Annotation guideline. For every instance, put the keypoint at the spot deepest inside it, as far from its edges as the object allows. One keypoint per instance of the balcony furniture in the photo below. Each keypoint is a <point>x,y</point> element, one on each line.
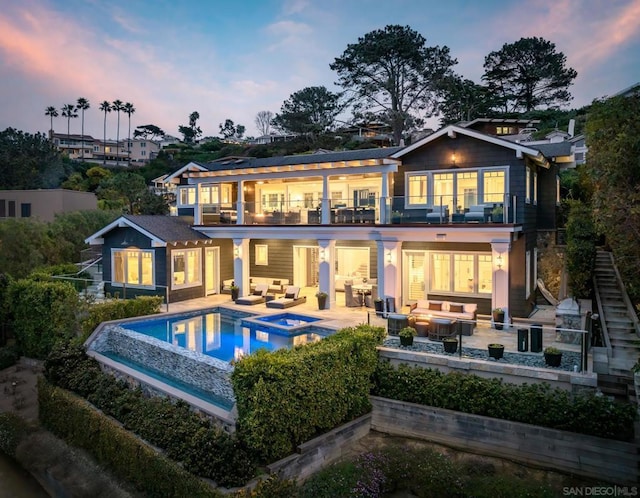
<point>441,327</point>
<point>275,285</point>
<point>465,312</point>
<point>373,295</point>
<point>345,215</point>
<point>292,218</point>
<point>439,214</point>
<point>458,218</point>
<point>257,297</point>
<point>314,217</point>
<point>290,298</point>
<point>228,216</point>
<point>226,286</point>
<point>478,213</point>
<point>351,300</point>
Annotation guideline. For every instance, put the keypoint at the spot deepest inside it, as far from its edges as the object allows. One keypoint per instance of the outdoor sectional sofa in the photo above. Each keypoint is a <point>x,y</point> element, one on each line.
<point>466,313</point>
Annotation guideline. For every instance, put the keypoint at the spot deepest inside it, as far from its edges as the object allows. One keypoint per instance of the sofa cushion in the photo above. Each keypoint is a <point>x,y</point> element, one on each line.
<point>435,306</point>
<point>456,307</point>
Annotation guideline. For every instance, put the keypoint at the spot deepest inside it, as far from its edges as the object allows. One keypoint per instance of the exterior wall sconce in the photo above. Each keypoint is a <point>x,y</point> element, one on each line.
<point>453,159</point>
<point>323,255</point>
<point>236,252</point>
<point>499,261</point>
<point>388,256</point>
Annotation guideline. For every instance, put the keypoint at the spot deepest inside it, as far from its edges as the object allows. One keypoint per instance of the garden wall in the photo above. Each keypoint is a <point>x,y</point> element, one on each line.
<point>611,461</point>
<point>509,373</point>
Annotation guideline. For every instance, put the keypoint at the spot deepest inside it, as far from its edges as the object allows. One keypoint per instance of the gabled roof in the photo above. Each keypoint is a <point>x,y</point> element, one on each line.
<point>452,130</point>
<point>469,124</point>
<point>554,149</point>
<point>192,166</point>
<point>160,229</point>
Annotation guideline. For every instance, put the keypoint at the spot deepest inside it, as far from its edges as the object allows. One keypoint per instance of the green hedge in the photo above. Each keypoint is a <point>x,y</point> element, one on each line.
<point>185,436</point>
<point>74,420</point>
<point>117,309</point>
<point>581,250</point>
<point>286,397</point>
<point>43,314</point>
<point>12,430</point>
<point>536,404</point>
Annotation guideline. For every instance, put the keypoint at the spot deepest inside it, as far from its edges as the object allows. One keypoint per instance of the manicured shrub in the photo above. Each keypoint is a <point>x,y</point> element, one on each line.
<point>43,313</point>
<point>286,397</point>
<point>12,430</point>
<point>117,309</point>
<point>79,280</point>
<point>581,250</point>
<point>536,404</point>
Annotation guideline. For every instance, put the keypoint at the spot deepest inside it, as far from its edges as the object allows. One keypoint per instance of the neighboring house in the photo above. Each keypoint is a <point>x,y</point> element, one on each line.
<point>270,138</point>
<point>142,150</point>
<point>109,152</point>
<point>502,126</point>
<point>72,145</point>
<point>44,204</point>
<point>455,216</point>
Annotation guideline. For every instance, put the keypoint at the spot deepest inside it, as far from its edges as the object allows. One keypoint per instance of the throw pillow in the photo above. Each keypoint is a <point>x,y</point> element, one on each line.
<point>456,308</point>
<point>435,306</point>
<point>257,293</point>
<point>276,282</point>
<point>289,296</point>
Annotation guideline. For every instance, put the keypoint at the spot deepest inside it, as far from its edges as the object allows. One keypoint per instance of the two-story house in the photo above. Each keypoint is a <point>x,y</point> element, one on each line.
<point>453,216</point>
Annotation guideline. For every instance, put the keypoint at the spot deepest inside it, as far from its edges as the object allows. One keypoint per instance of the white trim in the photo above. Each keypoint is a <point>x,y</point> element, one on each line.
<point>452,253</point>
<point>186,285</point>
<point>122,222</point>
<point>188,167</point>
<point>115,250</point>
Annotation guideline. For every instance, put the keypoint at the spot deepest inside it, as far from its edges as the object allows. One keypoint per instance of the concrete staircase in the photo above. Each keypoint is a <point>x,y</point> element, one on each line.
<point>619,326</point>
<point>96,289</point>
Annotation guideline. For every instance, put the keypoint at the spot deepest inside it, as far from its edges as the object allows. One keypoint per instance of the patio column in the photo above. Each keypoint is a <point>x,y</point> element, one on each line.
<point>384,197</point>
<point>241,265</point>
<point>326,206</point>
<point>500,260</point>
<point>326,270</point>
<point>197,210</point>
<point>389,276</point>
<point>240,204</point>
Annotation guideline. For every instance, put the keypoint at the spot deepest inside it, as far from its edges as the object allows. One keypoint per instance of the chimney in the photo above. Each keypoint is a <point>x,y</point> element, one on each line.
<point>572,127</point>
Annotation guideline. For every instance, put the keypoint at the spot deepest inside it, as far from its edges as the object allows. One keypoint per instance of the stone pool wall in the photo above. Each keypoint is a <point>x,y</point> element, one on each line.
<point>203,372</point>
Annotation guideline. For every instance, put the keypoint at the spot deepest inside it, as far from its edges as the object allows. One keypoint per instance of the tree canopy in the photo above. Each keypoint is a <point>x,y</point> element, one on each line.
<point>231,130</point>
<point>528,74</point>
<point>263,122</point>
<point>148,132</point>
<point>392,73</point>
<point>309,111</point>
<point>192,132</point>
<point>464,100</point>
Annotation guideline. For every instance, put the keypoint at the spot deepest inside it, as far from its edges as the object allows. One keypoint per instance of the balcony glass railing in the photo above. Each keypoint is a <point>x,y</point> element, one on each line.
<point>497,208</point>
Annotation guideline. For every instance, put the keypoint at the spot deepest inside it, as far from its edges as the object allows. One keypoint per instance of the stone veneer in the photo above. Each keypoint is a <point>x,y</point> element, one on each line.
<point>202,371</point>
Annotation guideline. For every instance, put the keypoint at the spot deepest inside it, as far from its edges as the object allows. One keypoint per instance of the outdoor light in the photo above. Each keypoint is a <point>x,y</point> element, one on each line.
<point>236,252</point>
<point>322,255</point>
<point>453,158</point>
<point>388,256</point>
<point>499,261</point>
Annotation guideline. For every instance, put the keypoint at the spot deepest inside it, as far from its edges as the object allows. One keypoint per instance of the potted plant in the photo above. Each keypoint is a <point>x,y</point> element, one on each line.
<point>235,291</point>
<point>450,344</point>
<point>378,303</point>
<point>496,350</point>
<point>497,214</point>
<point>322,299</point>
<point>406,336</point>
<point>498,318</point>
<point>552,356</point>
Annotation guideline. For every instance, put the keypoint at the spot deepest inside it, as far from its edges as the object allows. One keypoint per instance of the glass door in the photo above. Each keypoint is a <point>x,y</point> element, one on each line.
<point>414,277</point>
<point>211,268</point>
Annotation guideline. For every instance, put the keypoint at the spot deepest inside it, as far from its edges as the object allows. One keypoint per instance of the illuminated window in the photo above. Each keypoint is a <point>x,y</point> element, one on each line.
<point>527,187</point>
<point>187,196</point>
<point>441,272</point>
<point>535,188</point>
<point>494,186</point>
<point>467,189</point>
<point>461,273</point>
<point>417,189</point>
<point>132,267</point>
<point>185,268</point>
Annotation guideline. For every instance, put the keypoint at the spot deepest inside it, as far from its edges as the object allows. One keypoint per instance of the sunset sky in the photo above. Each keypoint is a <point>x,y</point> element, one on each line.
<point>230,60</point>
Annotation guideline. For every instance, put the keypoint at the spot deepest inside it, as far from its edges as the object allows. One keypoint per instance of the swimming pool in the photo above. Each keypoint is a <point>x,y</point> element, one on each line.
<point>289,323</point>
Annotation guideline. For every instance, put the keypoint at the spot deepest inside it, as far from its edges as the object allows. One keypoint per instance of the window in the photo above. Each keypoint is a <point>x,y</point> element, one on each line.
<point>417,191</point>
<point>3,208</point>
<point>262,254</point>
<point>12,209</point>
<point>493,186</point>
<point>308,200</point>
<point>535,188</point>
<point>461,273</point>
<point>185,268</point>
<point>352,261</point>
<point>25,210</point>
<point>143,144</point>
<point>143,152</point>
<point>527,275</point>
<point>187,196</point>
<point>527,192</point>
<point>557,191</point>
<point>467,189</point>
<point>504,130</point>
<point>132,267</point>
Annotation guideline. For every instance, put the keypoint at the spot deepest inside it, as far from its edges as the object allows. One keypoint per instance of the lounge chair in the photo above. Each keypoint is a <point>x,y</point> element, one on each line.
<point>290,299</point>
<point>257,297</point>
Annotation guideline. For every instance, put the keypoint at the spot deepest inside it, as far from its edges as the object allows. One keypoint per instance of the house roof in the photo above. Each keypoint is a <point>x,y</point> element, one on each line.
<point>160,229</point>
<point>469,124</point>
<point>554,149</point>
<point>452,131</point>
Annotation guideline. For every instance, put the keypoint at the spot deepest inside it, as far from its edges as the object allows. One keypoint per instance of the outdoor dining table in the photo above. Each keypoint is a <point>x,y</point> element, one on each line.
<point>363,289</point>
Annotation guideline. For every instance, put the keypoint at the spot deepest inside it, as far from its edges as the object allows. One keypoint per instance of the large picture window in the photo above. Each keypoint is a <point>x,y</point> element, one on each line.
<point>132,267</point>
<point>493,186</point>
<point>187,196</point>
<point>185,268</point>
<point>460,273</point>
<point>417,190</point>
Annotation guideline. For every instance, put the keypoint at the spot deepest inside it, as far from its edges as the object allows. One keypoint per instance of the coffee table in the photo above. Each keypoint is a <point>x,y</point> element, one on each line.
<point>441,327</point>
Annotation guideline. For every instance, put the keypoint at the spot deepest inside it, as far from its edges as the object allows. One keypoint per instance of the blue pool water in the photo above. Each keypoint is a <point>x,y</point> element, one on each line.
<point>286,319</point>
<point>222,336</point>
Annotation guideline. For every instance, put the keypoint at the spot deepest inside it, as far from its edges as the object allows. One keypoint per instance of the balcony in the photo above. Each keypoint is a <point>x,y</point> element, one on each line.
<point>500,209</point>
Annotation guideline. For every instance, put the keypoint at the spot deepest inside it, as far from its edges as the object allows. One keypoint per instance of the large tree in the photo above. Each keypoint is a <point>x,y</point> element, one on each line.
<point>231,130</point>
<point>529,74</point>
<point>52,112</point>
<point>392,73</point>
<point>69,112</point>
<point>82,105</point>
<point>105,107</point>
<point>463,100</point>
<point>192,132</point>
<point>148,132</point>
<point>129,110</point>
<point>309,111</point>
<point>117,106</point>
<point>263,122</point>
<point>612,131</point>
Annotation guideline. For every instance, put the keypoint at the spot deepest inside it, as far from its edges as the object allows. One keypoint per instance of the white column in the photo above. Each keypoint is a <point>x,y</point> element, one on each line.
<point>240,203</point>
<point>197,210</point>
<point>391,269</point>
<point>384,198</point>
<point>241,265</point>
<point>500,259</point>
<point>326,201</point>
<point>327,272</point>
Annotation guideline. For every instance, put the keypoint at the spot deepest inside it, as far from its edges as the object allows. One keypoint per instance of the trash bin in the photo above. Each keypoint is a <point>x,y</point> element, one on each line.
<point>523,340</point>
<point>536,338</point>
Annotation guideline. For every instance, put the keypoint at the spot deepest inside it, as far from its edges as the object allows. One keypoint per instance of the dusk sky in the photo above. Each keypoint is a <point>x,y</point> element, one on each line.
<point>230,60</point>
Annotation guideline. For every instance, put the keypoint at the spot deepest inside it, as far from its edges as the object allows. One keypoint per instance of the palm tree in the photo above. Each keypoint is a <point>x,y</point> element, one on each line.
<point>83,105</point>
<point>129,109</point>
<point>52,112</point>
<point>118,106</point>
<point>105,107</point>
<point>69,111</point>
